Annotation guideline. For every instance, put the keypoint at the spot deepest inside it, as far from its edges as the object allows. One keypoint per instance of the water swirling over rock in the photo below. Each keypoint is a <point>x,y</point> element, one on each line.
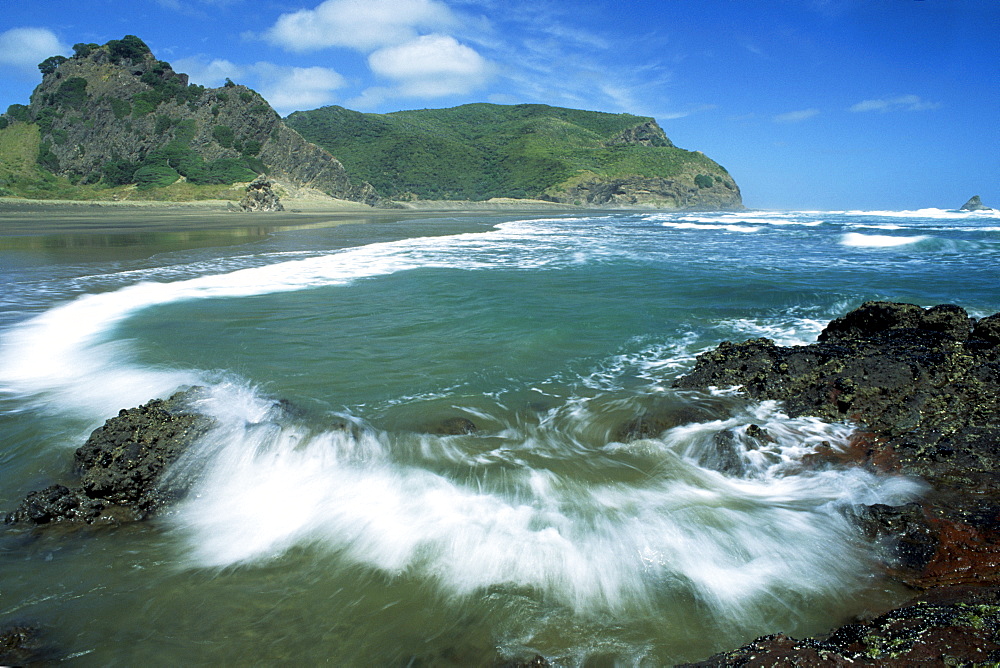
<point>121,467</point>
<point>924,387</point>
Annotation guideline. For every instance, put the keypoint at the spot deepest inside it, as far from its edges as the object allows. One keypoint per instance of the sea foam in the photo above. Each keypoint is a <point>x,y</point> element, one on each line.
<point>857,240</point>
<point>596,526</point>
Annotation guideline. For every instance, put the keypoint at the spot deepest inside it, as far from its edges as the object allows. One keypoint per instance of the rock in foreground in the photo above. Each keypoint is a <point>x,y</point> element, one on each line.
<point>962,628</point>
<point>923,385</point>
<point>121,467</point>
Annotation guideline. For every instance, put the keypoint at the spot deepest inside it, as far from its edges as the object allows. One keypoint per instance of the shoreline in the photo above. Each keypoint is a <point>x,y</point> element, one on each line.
<point>27,217</point>
<point>21,217</point>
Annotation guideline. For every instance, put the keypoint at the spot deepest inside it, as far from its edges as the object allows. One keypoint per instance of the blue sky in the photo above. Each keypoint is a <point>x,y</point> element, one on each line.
<point>810,104</point>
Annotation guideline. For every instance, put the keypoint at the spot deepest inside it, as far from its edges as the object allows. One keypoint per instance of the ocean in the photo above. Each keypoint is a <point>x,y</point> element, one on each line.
<point>332,519</point>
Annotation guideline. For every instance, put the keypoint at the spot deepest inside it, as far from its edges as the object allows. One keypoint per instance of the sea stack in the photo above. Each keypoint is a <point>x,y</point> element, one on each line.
<point>975,204</point>
<point>260,196</point>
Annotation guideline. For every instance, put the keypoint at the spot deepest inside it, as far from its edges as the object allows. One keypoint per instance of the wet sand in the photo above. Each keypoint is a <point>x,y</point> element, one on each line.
<point>25,218</point>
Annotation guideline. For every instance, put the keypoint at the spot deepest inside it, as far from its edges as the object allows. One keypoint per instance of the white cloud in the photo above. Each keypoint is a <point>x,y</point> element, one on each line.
<point>901,103</point>
<point>290,89</point>
<point>674,115</point>
<point>24,48</point>
<point>796,116</point>
<point>371,98</point>
<point>212,74</point>
<point>432,66</point>
<point>286,88</point>
<point>359,24</point>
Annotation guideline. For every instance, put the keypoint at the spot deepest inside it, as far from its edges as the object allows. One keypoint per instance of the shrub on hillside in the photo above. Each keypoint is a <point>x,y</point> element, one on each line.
<point>18,112</point>
<point>128,47</point>
<point>82,50</point>
<point>71,93</point>
<point>49,65</point>
<point>155,176</point>
<point>224,135</point>
<point>118,172</point>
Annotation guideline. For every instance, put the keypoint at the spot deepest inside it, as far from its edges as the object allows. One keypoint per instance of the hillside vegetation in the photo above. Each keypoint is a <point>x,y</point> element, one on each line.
<point>114,121</point>
<point>481,151</point>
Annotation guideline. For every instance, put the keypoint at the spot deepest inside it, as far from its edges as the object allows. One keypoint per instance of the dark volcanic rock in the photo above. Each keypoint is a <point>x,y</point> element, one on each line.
<point>22,646</point>
<point>923,385</point>
<point>975,204</point>
<point>957,627</point>
<point>456,426</point>
<point>121,467</point>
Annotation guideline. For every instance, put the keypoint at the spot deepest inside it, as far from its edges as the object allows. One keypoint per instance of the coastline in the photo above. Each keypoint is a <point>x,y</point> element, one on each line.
<point>27,217</point>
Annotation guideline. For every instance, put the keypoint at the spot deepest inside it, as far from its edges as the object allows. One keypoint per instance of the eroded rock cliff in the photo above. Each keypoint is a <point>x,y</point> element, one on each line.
<point>115,113</point>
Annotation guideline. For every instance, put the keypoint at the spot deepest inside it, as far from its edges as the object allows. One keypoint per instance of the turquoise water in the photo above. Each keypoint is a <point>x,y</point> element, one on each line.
<point>350,530</point>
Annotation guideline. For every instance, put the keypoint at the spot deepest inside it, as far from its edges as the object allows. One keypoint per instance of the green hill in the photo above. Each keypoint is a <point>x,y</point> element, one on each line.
<point>112,121</point>
<point>481,151</point>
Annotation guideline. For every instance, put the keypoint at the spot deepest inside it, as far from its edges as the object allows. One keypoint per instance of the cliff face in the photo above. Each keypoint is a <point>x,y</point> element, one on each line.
<point>645,134</point>
<point>697,183</point>
<point>680,192</point>
<point>116,113</point>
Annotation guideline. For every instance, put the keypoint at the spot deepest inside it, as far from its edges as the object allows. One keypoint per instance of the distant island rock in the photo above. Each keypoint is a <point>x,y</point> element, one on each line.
<point>479,152</point>
<point>975,204</point>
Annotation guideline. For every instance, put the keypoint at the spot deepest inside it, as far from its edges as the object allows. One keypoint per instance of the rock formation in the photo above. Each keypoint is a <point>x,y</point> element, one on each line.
<point>635,191</point>
<point>975,204</point>
<point>923,386</point>
<point>260,196</point>
<point>121,467</point>
<point>115,114</point>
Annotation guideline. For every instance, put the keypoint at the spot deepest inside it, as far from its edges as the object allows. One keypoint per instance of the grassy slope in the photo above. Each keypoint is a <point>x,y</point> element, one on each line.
<point>479,151</point>
<point>21,176</point>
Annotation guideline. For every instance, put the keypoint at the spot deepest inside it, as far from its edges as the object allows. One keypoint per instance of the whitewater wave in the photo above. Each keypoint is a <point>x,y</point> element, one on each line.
<point>70,353</point>
<point>857,240</point>
<point>784,331</point>
<point>596,525</point>
<point>682,225</point>
<point>938,214</point>
<point>553,500</point>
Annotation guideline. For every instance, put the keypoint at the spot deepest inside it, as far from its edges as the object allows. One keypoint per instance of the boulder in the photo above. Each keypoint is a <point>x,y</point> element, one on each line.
<point>121,467</point>
<point>260,196</point>
<point>975,204</point>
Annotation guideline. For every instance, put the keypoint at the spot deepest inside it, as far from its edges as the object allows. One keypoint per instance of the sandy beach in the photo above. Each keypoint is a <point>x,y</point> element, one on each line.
<point>25,217</point>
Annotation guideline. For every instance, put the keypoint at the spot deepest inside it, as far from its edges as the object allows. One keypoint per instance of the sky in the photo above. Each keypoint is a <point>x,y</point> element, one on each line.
<point>810,104</point>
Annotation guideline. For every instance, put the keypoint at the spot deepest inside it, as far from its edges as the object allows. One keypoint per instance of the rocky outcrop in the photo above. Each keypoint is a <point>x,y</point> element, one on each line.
<point>975,204</point>
<point>114,113</point>
<point>923,386</point>
<point>260,197</point>
<point>708,193</point>
<point>957,628</point>
<point>645,134</point>
<point>121,467</point>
